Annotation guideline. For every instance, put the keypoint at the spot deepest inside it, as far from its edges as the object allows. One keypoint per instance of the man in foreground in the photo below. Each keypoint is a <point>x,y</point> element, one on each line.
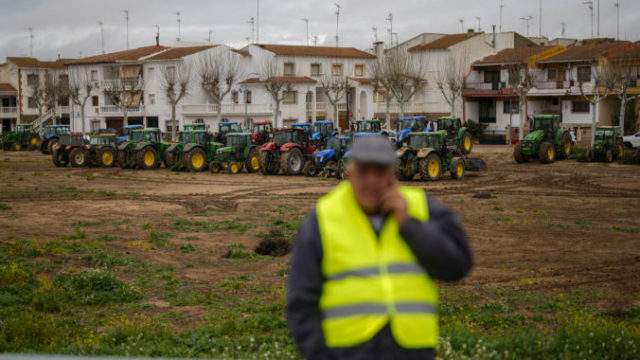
<point>363,270</point>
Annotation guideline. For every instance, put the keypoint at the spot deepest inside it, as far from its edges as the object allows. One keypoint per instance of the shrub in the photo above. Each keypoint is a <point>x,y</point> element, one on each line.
<point>97,287</point>
<point>5,207</point>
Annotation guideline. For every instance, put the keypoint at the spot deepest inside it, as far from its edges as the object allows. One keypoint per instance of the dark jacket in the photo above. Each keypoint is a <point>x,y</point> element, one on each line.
<point>439,244</point>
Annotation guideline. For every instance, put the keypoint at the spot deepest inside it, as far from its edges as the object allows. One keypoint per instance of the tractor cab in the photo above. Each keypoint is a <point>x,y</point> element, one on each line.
<point>195,136</point>
<point>103,139</point>
<point>420,140</point>
<point>415,124</point>
<point>146,135</point>
<point>261,132</point>
<point>291,135</point>
<point>72,139</point>
<point>56,130</point>
<point>238,141</point>
<point>228,127</point>
<point>126,132</point>
<point>195,126</point>
<point>549,124</point>
<point>22,128</point>
<point>368,126</point>
<point>339,143</point>
<point>323,130</point>
<point>450,124</point>
<point>307,127</point>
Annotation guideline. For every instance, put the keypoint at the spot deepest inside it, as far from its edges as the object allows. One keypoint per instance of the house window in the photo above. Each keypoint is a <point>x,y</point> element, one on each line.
<point>63,101</point>
<point>247,97</point>
<point>63,80</point>
<point>316,70</point>
<point>290,97</point>
<point>580,107</point>
<point>152,122</point>
<point>378,96</point>
<point>515,107</point>
<point>95,125</point>
<point>359,70</point>
<point>337,70</point>
<point>289,69</point>
<point>94,75</point>
<point>492,77</point>
<point>33,80</point>
<point>31,103</point>
<point>584,74</point>
<point>95,101</point>
<point>168,125</point>
<point>150,72</point>
<point>234,97</point>
<point>152,99</point>
<point>555,75</point>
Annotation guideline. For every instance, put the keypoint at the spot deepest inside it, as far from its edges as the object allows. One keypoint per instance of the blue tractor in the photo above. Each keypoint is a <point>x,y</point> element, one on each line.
<point>328,162</point>
<point>51,136</point>
<point>224,128</point>
<point>408,125</point>
<point>126,131</point>
<point>322,131</point>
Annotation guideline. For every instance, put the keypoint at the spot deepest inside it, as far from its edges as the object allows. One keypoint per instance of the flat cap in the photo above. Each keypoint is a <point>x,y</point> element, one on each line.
<point>372,150</point>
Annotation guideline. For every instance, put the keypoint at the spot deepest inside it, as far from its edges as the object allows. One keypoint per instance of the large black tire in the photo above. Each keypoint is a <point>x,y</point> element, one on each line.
<point>60,158</point>
<point>52,145</point>
<point>107,157</point>
<point>44,147</point>
<point>292,162</point>
<point>340,170</point>
<point>310,168</point>
<point>168,159</point>
<point>457,168</point>
<point>608,156</point>
<point>252,163</point>
<point>266,163</point>
<point>147,158</point>
<point>121,159</point>
<point>400,174</point>
<point>466,143</point>
<point>430,167</point>
<point>566,146</point>
<point>34,142</point>
<point>547,153</point>
<point>619,150</point>
<point>196,160</point>
<point>518,156</point>
<point>78,157</point>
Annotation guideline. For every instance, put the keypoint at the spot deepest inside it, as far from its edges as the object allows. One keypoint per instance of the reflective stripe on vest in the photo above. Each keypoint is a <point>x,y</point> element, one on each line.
<point>373,280</point>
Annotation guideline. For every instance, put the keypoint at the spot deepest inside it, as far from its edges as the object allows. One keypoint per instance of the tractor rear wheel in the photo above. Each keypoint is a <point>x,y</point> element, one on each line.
<point>430,167</point>
<point>401,171</point>
<point>52,146</point>
<point>547,153</point>
<point>292,162</point>
<point>466,143</point>
<point>608,156</point>
<point>266,163</point>
<point>147,158</point>
<point>310,169</point>
<point>60,159</point>
<point>214,167</point>
<point>169,157</point>
<point>235,167</point>
<point>78,157</point>
<point>16,146</point>
<point>122,158</point>
<point>340,170</point>
<point>252,163</point>
<point>518,155</point>
<point>34,142</point>
<point>333,169</point>
<point>196,160</point>
<point>107,157</point>
<point>566,145</point>
<point>457,169</point>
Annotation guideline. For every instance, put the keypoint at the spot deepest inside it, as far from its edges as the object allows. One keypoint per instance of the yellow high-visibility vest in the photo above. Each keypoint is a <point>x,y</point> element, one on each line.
<point>373,281</point>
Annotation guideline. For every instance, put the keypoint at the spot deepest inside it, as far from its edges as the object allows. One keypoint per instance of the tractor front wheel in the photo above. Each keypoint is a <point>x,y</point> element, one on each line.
<point>457,169</point>
<point>253,161</point>
<point>466,143</point>
<point>310,169</point>
<point>16,146</point>
<point>147,158</point>
<point>235,167</point>
<point>402,171</point>
<point>60,159</point>
<point>292,162</point>
<point>168,160</point>
<point>107,157</point>
<point>196,160</point>
<point>52,146</point>
<point>566,145</point>
<point>518,155</point>
<point>78,157</point>
<point>547,153</point>
<point>214,167</point>
<point>430,167</point>
<point>34,142</point>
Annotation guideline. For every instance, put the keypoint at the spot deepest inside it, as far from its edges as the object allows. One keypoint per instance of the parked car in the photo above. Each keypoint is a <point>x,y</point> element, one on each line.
<point>632,141</point>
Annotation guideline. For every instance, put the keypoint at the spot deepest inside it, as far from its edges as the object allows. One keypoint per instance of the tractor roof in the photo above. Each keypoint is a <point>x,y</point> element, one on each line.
<point>57,126</point>
<point>324,122</point>
<point>103,135</point>
<point>430,133</point>
<point>366,134</point>
<point>608,127</point>
<point>227,123</point>
<point>133,127</point>
<point>300,124</point>
<point>148,130</point>
<point>547,116</point>
<point>262,122</point>
<point>449,118</point>
<point>373,120</point>
<point>344,138</point>
<point>413,118</point>
<point>239,134</point>
<point>191,131</point>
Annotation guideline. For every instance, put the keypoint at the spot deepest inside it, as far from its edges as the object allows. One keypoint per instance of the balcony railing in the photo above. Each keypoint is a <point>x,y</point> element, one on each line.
<point>65,109</point>
<point>394,108</point>
<point>114,109</point>
<point>486,85</point>
<point>211,109</point>
<point>553,84</point>
<point>8,110</point>
<point>325,106</point>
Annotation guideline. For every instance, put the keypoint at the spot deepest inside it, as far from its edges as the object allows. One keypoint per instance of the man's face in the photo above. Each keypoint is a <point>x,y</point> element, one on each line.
<point>370,182</point>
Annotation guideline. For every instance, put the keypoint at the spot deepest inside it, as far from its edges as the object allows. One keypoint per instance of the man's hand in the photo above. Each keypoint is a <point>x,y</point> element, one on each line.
<point>394,203</point>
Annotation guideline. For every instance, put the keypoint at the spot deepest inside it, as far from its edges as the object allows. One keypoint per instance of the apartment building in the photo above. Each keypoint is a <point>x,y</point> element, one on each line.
<point>19,78</point>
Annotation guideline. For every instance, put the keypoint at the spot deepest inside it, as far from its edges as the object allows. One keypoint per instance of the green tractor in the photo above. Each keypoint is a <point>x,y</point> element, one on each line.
<point>193,152</point>
<point>456,133</point>
<point>195,126</point>
<point>427,154</point>
<point>608,145</point>
<point>547,141</point>
<point>21,138</point>
<point>239,152</point>
<point>102,150</point>
<point>142,149</point>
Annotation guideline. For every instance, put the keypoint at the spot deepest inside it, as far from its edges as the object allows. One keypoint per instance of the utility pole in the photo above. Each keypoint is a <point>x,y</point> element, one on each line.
<point>257,21</point>
<point>502,6</point>
<point>527,19</point>
<point>315,40</point>
<point>337,23</point>
<point>179,26</point>
<point>540,20</point>
<point>101,34</point>
<point>210,36</point>
<point>252,21</point>
<point>306,20</point>
<point>30,42</point>
<point>598,18</point>
<point>461,20</point>
<point>479,28</point>
<point>590,6</point>
<point>126,19</point>
<point>375,33</point>
<point>617,5</point>
<point>390,20</point>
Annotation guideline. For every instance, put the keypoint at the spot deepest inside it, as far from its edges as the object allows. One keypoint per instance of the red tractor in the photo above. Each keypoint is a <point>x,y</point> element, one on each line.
<point>289,150</point>
<point>261,133</point>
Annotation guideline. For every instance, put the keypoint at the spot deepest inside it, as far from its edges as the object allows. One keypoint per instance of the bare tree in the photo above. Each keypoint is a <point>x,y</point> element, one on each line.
<point>38,93</point>
<point>450,79</point>
<point>218,72</point>
<point>125,92</point>
<point>406,76</point>
<point>381,85</point>
<point>335,88</point>
<point>174,83</point>
<point>79,91</point>
<point>276,85</point>
<point>56,87</point>
<point>521,80</point>
<point>603,79</point>
<point>624,75</point>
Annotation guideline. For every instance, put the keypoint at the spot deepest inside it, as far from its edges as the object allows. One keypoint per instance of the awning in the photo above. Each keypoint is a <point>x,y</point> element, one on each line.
<point>130,71</point>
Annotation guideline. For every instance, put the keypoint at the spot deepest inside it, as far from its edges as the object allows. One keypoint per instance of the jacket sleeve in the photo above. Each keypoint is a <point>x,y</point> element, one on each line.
<point>440,244</point>
<point>305,287</point>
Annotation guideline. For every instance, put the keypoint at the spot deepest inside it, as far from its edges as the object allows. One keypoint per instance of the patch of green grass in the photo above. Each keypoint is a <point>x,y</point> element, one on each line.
<point>503,219</point>
<point>169,215</point>
<point>285,225</point>
<point>236,251</point>
<point>497,208</point>
<point>540,212</point>
<point>583,224</point>
<point>206,226</point>
<point>105,238</point>
<point>191,238</point>
<point>147,226</point>
<point>107,193</point>
<point>97,287</point>
<point>77,235</point>
<point>78,224</point>
<point>120,222</point>
<point>90,176</point>
<point>159,238</point>
<point>625,229</point>
<point>4,207</point>
<point>187,248</point>
<point>553,225</point>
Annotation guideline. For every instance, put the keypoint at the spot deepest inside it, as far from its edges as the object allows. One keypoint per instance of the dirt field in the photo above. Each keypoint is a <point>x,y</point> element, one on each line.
<point>535,229</point>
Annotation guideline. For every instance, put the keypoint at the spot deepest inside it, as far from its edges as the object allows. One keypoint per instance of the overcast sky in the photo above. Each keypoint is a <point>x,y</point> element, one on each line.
<point>70,27</point>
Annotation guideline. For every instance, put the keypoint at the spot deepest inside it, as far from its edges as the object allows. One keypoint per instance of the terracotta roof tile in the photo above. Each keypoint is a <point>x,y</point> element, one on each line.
<point>291,79</point>
<point>445,42</point>
<point>29,62</point>
<point>515,55</point>
<point>179,52</point>
<point>125,55</point>
<point>241,52</point>
<point>631,53</point>
<point>7,87</point>
<point>585,52</point>
<point>317,51</point>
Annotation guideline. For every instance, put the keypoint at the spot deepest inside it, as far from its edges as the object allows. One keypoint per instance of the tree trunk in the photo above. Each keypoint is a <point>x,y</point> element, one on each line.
<point>173,122</point>
<point>40,117</point>
<point>82,118</point>
<point>125,116</point>
<point>453,106</point>
<point>388,114</point>
<point>275,114</point>
<point>336,116</point>
<point>219,112</point>
<point>401,110</point>
<point>521,121</point>
<point>623,108</point>
<point>595,102</point>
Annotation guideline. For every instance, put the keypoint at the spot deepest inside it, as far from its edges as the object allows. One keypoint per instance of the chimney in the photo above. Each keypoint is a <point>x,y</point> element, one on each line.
<point>158,39</point>
<point>378,48</point>
<point>471,31</point>
<point>493,41</point>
